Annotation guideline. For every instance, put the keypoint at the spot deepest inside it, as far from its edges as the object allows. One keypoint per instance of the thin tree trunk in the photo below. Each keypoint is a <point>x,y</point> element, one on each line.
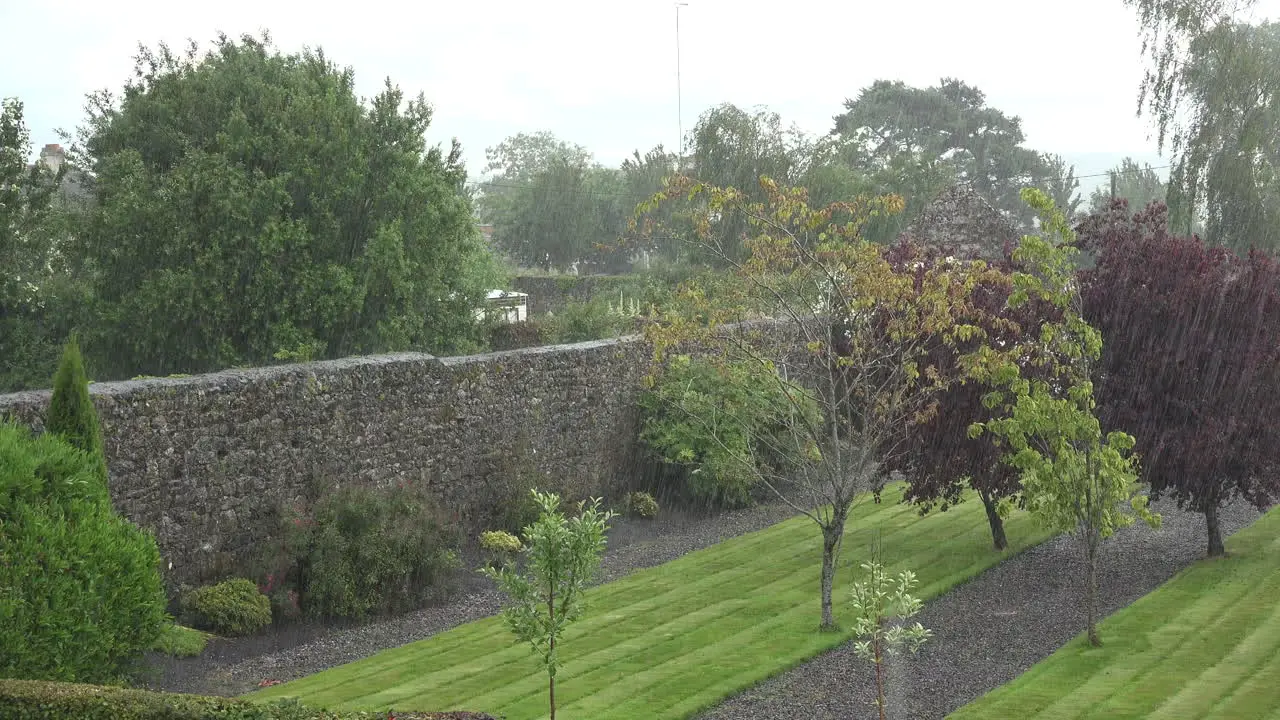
<point>1216,548</point>
<point>551,672</point>
<point>830,542</point>
<point>998,537</point>
<point>1091,587</point>
<point>879,675</point>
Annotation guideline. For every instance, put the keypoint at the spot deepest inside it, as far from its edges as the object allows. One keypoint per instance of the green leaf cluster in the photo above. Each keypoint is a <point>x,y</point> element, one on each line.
<point>715,419</point>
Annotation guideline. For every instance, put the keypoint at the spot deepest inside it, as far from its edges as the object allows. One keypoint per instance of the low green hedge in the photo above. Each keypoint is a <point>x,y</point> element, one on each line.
<point>40,700</point>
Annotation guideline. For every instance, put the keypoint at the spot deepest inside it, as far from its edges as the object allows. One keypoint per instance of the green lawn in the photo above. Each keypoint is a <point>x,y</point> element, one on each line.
<point>1204,645</point>
<point>671,640</point>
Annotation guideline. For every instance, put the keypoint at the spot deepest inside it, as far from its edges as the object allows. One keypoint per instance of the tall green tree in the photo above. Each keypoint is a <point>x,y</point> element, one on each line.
<point>1138,184</point>
<point>38,298</point>
<point>251,207</point>
<point>71,413</point>
<point>929,138</point>
<point>734,147</point>
<point>1211,91</point>
<point>1228,153</point>
<point>553,206</point>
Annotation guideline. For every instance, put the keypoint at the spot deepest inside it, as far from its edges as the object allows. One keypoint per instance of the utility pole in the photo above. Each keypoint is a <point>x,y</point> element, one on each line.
<point>1113,184</point>
<point>679,94</point>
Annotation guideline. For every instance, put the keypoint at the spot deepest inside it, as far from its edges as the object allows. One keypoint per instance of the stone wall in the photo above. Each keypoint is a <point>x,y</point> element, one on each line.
<point>204,461</point>
<point>961,220</point>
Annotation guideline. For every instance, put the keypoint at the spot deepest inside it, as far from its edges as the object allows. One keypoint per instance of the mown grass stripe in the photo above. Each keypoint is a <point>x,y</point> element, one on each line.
<point>1204,644</point>
<point>681,635</point>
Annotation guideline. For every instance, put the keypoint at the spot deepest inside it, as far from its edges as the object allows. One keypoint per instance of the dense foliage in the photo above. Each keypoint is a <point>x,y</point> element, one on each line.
<point>942,461</point>
<point>716,421</point>
<point>71,413</point>
<point>37,296</point>
<point>1192,359</point>
<point>28,700</point>
<point>358,552</point>
<point>250,207</point>
<point>230,608</point>
<point>82,591</point>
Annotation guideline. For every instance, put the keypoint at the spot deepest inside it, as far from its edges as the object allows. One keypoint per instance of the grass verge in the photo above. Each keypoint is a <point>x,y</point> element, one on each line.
<point>1206,644</point>
<point>672,640</point>
<point>181,641</point>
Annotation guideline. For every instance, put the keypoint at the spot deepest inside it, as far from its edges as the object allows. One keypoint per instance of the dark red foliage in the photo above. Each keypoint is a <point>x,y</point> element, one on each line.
<point>942,460</point>
<point>1191,358</point>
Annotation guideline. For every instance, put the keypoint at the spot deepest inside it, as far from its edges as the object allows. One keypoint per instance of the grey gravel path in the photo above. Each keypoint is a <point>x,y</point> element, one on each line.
<point>233,667</point>
<point>988,630</point>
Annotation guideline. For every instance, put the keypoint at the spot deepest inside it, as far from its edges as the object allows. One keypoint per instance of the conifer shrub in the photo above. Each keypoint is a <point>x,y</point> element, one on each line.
<point>80,591</point>
<point>71,413</point>
<point>231,608</point>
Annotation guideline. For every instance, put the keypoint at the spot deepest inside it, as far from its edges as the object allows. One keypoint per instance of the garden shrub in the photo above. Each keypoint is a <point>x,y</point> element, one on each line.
<point>641,505</point>
<point>580,321</point>
<point>745,404</point>
<point>32,700</point>
<point>80,591</point>
<point>359,552</point>
<point>231,608</point>
<point>71,413</point>
<point>499,546</point>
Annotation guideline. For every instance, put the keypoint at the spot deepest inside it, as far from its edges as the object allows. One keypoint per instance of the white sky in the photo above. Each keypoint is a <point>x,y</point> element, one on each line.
<point>602,73</point>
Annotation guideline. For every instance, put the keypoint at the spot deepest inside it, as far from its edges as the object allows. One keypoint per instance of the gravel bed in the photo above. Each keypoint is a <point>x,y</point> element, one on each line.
<point>233,667</point>
<point>988,630</point>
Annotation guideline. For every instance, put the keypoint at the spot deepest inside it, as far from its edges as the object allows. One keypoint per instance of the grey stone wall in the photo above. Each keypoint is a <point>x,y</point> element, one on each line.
<point>961,219</point>
<point>204,461</point>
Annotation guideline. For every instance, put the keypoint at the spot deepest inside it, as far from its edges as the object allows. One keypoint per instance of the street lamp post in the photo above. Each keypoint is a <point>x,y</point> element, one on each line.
<point>679,94</point>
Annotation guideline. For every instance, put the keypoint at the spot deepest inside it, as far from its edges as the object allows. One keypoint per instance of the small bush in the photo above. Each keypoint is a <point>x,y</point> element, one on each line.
<point>80,590</point>
<point>500,542</point>
<point>641,505</point>
<point>231,608</point>
<point>499,547</point>
<point>29,700</point>
<point>579,321</point>
<point>361,552</point>
<point>745,404</point>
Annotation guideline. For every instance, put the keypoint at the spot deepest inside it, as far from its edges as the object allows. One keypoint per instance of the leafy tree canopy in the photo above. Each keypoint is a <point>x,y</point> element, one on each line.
<point>1192,359</point>
<point>250,207</point>
<point>924,139</point>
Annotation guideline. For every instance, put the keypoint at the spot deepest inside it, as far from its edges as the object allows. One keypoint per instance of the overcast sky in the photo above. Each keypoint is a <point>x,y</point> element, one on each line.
<point>602,73</point>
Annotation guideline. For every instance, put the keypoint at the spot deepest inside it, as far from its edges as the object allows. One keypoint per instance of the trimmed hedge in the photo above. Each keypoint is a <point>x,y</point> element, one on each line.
<point>40,700</point>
